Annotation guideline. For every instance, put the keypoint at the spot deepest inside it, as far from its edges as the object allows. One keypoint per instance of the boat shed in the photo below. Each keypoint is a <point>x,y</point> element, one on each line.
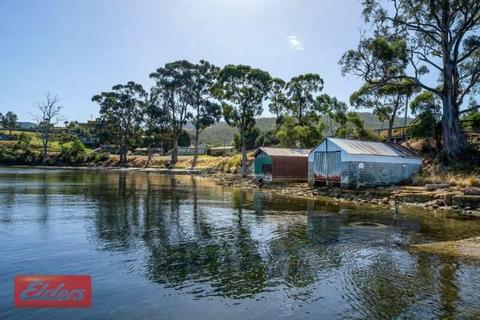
<point>281,164</point>
<point>357,163</point>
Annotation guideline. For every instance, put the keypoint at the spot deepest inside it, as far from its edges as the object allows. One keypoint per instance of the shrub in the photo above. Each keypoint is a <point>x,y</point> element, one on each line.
<point>73,152</point>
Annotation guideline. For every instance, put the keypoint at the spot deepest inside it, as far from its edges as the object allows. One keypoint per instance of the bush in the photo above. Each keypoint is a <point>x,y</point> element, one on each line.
<point>97,157</point>
<point>73,152</point>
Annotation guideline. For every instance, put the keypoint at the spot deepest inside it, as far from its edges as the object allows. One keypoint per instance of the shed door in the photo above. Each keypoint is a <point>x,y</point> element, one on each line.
<point>327,166</point>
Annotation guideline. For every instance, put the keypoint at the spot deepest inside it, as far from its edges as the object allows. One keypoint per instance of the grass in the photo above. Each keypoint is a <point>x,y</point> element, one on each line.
<point>54,145</point>
<point>229,164</point>
<point>459,180</point>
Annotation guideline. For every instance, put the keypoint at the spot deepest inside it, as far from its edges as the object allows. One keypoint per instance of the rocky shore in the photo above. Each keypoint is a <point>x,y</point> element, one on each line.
<point>433,197</point>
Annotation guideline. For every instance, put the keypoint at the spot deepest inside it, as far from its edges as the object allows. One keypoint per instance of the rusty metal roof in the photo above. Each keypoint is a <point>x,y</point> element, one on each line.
<point>374,148</point>
<point>284,152</point>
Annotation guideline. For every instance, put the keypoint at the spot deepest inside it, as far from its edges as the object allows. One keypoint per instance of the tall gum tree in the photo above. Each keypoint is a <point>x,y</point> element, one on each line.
<point>440,37</point>
<point>242,90</point>
<point>121,114</point>
<point>171,91</point>
<point>302,92</point>
<point>385,101</point>
<point>206,110</point>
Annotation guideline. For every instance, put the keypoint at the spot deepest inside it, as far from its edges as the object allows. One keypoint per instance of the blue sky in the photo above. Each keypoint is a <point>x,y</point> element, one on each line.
<point>76,49</point>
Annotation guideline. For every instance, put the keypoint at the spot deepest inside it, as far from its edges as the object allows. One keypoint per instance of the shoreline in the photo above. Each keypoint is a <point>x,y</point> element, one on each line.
<point>462,202</point>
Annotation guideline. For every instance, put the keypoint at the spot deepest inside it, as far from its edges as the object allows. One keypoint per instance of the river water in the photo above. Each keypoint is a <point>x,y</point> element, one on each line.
<point>160,247</point>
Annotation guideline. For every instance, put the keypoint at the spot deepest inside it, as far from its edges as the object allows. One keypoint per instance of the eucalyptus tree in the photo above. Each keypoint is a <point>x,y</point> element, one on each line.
<point>429,36</point>
<point>47,115</point>
<point>427,108</point>
<point>9,121</point>
<point>333,111</point>
<point>277,100</point>
<point>121,114</point>
<point>206,110</point>
<point>171,91</point>
<point>386,101</point>
<point>302,92</point>
<point>156,125</point>
<point>242,90</point>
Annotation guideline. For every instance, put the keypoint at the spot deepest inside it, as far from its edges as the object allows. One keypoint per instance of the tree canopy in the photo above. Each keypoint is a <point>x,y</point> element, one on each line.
<point>412,38</point>
<point>121,114</point>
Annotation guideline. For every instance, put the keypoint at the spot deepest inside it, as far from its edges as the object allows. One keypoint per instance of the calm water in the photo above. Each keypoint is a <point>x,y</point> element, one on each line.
<point>181,248</point>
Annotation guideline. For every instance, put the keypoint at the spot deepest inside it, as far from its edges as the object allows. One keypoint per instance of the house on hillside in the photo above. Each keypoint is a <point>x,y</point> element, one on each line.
<point>188,151</point>
<point>221,151</point>
<point>281,164</point>
<point>355,163</point>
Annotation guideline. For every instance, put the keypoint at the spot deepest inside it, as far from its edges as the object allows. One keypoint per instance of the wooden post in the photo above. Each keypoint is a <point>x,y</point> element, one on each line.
<point>326,162</point>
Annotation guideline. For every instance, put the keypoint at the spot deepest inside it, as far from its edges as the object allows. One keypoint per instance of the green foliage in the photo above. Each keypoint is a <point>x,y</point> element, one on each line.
<point>23,143</point>
<point>411,38</point>
<point>121,114</point>
<point>302,92</point>
<point>354,128</point>
<point>199,90</point>
<point>184,139</point>
<point>72,152</point>
<point>473,119</point>
<point>251,137</point>
<point>292,135</point>
<point>22,152</point>
<point>8,121</point>
<point>426,101</point>
<point>425,126</point>
<point>242,90</point>
<point>278,101</point>
<point>267,138</point>
<point>333,112</point>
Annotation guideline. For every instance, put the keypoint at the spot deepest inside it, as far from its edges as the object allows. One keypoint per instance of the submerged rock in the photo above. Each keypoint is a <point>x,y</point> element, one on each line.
<point>464,248</point>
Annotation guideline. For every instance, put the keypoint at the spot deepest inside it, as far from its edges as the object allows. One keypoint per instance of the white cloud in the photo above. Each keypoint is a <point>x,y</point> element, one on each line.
<point>295,43</point>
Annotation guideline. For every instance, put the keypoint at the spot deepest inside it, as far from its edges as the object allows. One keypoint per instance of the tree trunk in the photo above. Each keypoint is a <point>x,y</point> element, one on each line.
<point>391,121</point>
<point>244,154</point>
<point>195,153</point>
<point>453,138</point>
<point>45,147</point>
<point>149,155</point>
<point>123,149</point>
<point>174,159</point>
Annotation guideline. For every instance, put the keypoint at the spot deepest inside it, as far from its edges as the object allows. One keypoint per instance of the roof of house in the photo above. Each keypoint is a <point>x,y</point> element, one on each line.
<point>374,148</point>
<point>222,148</point>
<point>284,152</point>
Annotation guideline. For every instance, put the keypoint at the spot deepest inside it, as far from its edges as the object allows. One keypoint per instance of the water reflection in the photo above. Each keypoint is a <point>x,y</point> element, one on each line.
<point>205,241</point>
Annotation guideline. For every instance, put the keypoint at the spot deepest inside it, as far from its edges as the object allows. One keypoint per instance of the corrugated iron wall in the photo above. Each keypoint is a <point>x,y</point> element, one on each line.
<point>284,167</point>
<point>261,160</point>
<point>327,166</point>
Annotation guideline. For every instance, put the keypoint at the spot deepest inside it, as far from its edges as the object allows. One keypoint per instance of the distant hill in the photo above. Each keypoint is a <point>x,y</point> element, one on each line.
<point>222,133</point>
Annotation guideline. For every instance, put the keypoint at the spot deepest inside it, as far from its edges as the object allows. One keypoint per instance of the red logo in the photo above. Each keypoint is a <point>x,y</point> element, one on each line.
<point>53,291</point>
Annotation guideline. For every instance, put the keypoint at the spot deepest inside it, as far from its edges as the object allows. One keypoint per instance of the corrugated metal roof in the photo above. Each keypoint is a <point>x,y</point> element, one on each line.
<point>373,148</point>
<point>284,152</point>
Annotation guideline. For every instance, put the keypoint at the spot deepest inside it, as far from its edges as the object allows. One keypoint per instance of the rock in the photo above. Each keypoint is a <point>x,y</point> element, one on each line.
<point>385,200</point>
<point>448,198</point>
<point>472,191</point>
<point>436,186</point>
<point>465,201</point>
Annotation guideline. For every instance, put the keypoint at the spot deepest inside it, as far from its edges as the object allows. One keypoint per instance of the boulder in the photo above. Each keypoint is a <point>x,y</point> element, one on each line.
<point>472,191</point>
<point>436,186</point>
<point>466,201</point>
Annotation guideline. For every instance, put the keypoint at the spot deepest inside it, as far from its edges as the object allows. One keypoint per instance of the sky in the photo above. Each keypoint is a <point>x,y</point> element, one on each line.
<point>76,49</point>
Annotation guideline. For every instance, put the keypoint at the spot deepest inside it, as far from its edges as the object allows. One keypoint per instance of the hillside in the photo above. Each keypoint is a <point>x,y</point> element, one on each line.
<point>222,133</point>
